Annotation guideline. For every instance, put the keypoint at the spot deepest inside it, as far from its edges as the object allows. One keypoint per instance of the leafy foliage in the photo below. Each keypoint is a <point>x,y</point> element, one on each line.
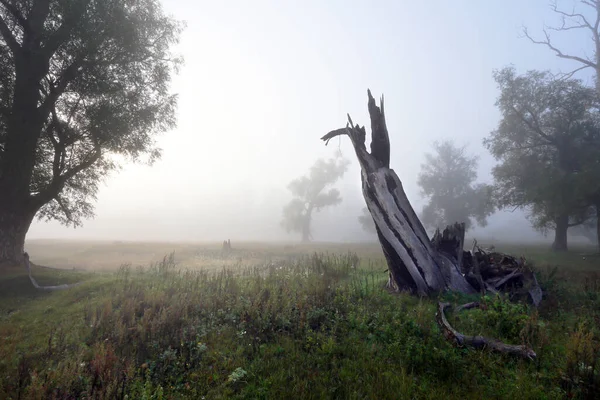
<point>547,144</point>
<point>447,180</point>
<point>309,194</point>
<point>99,89</point>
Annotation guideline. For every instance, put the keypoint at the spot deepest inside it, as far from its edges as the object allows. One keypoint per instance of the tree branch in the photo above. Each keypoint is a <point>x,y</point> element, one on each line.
<point>477,342</point>
<point>64,30</point>
<point>7,35</point>
<point>564,14</point>
<point>58,89</point>
<point>58,182</point>
<point>569,75</point>
<point>536,128</point>
<point>15,13</point>
<point>558,52</point>
<point>37,16</point>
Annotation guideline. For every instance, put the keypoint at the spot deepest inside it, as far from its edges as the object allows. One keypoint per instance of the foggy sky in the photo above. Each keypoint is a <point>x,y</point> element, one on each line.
<point>264,80</point>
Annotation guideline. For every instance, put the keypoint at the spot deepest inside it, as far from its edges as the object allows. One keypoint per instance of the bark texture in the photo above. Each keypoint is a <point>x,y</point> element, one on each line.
<point>415,262</point>
<point>13,229</point>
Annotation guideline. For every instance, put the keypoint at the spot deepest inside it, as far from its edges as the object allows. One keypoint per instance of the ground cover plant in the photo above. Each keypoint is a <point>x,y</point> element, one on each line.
<point>316,325</point>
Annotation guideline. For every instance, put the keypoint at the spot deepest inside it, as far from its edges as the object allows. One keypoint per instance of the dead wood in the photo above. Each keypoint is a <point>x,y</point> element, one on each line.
<point>416,263</point>
<point>477,342</point>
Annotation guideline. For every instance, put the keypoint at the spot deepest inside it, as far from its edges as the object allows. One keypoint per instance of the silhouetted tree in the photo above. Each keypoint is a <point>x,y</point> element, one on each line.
<point>366,221</point>
<point>80,81</point>
<point>309,195</point>
<point>583,18</point>
<point>447,181</point>
<point>543,143</point>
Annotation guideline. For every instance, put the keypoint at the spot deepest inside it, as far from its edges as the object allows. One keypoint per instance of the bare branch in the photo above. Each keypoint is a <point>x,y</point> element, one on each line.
<point>568,75</point>
<point>572,14</point>
<point>558,52</point>
<point>478,342</point>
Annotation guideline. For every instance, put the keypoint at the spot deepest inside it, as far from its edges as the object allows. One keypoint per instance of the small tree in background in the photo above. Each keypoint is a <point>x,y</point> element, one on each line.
<point>366,221</point>
<point>447,181</point>
<point>310,195</point>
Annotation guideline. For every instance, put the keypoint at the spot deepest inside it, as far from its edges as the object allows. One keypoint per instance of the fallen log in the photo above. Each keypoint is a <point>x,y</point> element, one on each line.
<point>477,342</point>
<point>416,263</point>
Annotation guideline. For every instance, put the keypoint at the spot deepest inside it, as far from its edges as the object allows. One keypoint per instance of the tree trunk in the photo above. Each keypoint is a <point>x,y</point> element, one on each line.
<point>560,234</point>
<point>598,225</point>
<point>13,229</point>
<point>306,225</point>
<point>415,262</point>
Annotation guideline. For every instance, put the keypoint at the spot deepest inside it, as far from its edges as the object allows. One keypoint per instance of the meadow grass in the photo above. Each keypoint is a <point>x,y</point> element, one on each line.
<point>285,321</point>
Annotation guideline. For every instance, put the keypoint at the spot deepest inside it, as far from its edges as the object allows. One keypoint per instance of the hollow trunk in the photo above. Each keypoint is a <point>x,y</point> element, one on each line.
<point>415,263</point>
<point>13,229</point>
<point>560,234</point>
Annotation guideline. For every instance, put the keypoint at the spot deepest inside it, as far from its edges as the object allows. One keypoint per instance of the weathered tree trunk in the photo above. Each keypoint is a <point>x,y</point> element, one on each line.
<point>415,262</point>
<point>13,229</point>
<point>560,234</point>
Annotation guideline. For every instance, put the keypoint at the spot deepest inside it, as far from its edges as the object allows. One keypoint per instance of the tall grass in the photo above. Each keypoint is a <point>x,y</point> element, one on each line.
<point>318,326</point>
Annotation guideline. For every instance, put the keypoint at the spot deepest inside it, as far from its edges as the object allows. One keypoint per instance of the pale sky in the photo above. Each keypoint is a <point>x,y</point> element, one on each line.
<point>264,80</point>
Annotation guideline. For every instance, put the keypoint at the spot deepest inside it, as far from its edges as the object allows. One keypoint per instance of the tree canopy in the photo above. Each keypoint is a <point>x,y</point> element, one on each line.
<point>447,180</point>
<point>80,82</point>
<point>310,195</point>
<point>546,143</point>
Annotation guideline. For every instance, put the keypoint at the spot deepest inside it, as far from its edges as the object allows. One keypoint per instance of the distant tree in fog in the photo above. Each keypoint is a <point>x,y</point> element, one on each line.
<point>310,195</point>
<point>447,181</point>
<point>366,221</point>
<point>548,145</point>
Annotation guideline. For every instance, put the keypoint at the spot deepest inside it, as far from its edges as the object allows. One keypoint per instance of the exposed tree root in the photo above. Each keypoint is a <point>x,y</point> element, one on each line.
<point>477,342</point>
<point>48,288</point>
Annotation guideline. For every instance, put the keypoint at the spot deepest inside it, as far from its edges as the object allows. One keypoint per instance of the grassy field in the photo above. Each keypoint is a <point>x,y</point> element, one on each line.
<point>276,321</point>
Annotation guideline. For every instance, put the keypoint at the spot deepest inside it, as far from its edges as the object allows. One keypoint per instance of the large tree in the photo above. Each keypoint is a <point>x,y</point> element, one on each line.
<point>579,24</point>
<point>80,82</point>
<point>310,195</point>
<point>541,144</point>
<point>447,180</point>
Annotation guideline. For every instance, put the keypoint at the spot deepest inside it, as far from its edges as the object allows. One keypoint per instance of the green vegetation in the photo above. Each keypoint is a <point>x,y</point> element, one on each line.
<point>312,326</point>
